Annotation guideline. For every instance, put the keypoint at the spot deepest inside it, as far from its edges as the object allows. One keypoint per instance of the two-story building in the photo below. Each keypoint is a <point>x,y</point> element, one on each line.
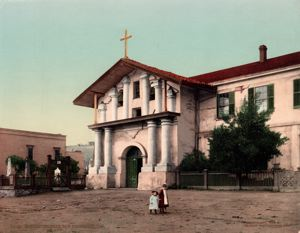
<point>146,119</point>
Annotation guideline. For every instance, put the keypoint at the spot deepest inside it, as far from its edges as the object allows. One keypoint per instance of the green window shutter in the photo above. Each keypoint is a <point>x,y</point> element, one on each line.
<point>271,97</point>
<point>251,95</point>
<point>231,103</point>
<point>297,93</point>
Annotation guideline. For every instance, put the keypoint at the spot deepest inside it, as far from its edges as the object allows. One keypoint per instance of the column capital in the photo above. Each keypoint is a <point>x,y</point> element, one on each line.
<point>98,130</point>
<point>166,121</point>
<point>107,129</point>
<point>102,106</point>
<point>156,83</point>
<point>151,124</point>
<point>126,80</point>
<point>113,92</point>
<point>144,75</point>
<point>171,93</point>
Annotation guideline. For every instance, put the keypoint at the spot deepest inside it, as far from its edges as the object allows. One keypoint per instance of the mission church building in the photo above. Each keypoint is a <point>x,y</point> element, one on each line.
<point>146,119</point>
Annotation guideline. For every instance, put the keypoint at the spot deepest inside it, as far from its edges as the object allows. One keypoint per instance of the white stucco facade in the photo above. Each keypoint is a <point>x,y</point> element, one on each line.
<point>147,119</point>
<point>285,118</point>
<point>159,154</point>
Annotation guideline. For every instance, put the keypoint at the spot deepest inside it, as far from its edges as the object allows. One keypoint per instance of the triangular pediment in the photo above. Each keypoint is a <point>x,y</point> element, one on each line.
<point>121,69</point>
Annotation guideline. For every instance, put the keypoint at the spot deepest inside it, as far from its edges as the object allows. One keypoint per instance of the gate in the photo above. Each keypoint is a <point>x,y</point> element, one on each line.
<point>58,171</point>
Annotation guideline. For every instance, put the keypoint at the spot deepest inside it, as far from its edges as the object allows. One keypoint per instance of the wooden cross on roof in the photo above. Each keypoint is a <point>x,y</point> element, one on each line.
<point>125,38</point>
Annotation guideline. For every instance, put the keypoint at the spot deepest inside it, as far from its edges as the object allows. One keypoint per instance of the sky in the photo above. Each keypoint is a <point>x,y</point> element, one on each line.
<point>52,50</point>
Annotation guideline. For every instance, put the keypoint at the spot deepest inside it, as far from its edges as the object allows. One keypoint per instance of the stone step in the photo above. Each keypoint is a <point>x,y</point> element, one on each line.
<point>60,189</point>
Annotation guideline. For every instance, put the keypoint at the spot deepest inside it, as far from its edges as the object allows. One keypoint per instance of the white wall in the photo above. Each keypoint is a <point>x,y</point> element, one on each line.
<point>285,118</point>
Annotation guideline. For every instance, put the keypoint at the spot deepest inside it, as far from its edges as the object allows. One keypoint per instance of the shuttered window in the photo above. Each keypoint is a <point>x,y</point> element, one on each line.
<point>225,104</point>
<point>297,93</point>
<point>263,97</point>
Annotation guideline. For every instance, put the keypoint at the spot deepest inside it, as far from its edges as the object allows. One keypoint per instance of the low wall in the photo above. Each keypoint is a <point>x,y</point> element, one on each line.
<point>8,191</point>
<point>280,181</point>
<point>287,181</point>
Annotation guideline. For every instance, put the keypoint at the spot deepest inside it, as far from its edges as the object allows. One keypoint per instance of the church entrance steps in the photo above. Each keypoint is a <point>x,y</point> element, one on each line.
<point>61,189</point>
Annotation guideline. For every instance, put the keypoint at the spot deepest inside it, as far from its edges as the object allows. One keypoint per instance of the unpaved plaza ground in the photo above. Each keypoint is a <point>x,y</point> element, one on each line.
<point>126,210</point>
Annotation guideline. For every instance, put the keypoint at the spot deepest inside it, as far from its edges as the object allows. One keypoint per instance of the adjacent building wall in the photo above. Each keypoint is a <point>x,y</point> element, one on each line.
<point>186,123</point>
<point>15,142</point>
<point>285,119</point>
<point>79,157</point>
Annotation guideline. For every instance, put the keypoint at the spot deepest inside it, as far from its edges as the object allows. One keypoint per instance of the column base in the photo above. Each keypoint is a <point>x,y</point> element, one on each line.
<point>148,168</point>
<point>107,169</point>
<point>164,168</point>
<point>100,181</point>
<point>93,170</point>
<point>155,180</point>
<point>105,178</point>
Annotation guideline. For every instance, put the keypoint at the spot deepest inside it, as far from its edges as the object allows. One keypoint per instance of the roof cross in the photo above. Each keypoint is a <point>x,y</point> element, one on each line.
<point>125,38</point>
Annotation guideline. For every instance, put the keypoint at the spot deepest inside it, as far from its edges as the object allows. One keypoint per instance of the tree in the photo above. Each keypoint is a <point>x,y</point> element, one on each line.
<point>74,168</point>
<point>245,142</point>
<point>19,163</point>
<point>195,161</point>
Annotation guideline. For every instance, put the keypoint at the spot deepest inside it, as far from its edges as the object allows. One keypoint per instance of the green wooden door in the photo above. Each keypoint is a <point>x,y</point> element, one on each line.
<point>133,167</point>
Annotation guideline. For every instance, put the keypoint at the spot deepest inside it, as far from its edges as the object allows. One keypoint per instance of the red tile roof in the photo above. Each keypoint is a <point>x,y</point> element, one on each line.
<point>251,68</point>
<point>164,74</point>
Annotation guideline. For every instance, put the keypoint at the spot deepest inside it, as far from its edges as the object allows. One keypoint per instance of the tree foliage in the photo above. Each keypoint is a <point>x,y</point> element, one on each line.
<point>73,165</point>
<point>245,142</point>
<point>195,161</point>
<point>18,163</point>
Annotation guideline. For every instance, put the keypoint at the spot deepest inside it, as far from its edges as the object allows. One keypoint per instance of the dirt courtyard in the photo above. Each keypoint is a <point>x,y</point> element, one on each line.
<point>126,210</point>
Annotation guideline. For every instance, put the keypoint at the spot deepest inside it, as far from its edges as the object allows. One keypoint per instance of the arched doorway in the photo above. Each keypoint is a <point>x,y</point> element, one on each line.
<point>134,163</point>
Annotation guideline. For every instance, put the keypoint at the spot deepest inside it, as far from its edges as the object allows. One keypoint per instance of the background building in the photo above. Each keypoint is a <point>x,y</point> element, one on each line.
<point>32,145</point>
<point>86,150</point>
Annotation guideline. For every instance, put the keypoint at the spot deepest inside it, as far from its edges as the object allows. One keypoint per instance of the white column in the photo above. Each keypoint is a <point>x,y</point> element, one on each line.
<point>114,103</point>
<point>126,82</point>
<point>151,161</point>
<point>102,110</point>
<point>107,147</point>
<point>145,93</point>
<point>98,149</point>
<point>171,100</point>
<point>158,95</point>
<point>165,164</point>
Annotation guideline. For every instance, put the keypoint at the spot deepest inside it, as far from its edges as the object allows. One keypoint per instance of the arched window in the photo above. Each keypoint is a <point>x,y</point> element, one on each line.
<point>152,93</point>
<point>120,98</point>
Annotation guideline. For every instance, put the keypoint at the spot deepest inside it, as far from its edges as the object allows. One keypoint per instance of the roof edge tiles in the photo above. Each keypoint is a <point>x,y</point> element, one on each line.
<point>123,67</point>
<point>250,68</point>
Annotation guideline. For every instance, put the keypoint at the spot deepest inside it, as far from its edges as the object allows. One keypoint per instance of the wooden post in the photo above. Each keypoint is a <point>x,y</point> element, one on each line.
<point>276,180</point>
<point>49,171</point>
<point>68,171</point>
<point>95,108</point>
<point>165,95</point>
<point>15,181</point>
<point>33,181</point>
<point>205,178</point>
<point>239,180</point>
<point>84,180</point>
